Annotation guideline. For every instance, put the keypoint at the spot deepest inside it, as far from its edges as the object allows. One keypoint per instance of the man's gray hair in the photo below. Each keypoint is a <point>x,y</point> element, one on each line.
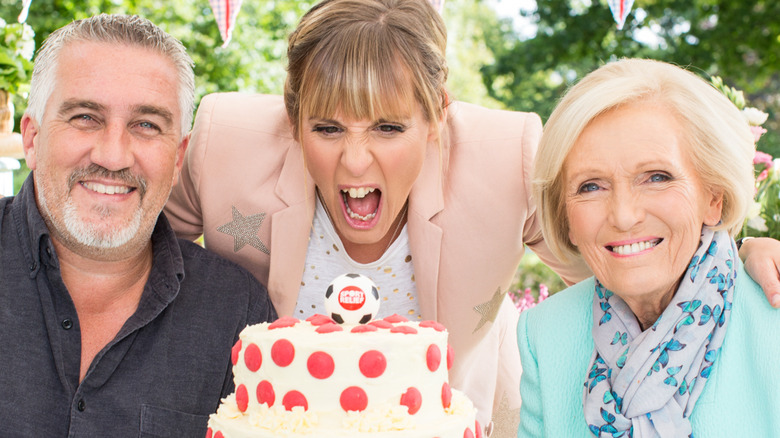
<point>130,30</point>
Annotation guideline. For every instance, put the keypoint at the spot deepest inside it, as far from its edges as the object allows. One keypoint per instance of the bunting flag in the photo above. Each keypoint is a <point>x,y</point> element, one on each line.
<point>25,9</point>
<point>225,12</point>
<point>438,5</point>
<point>620,10</point>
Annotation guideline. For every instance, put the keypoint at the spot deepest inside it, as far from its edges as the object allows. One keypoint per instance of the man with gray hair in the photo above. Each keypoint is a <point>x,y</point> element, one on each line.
<point>109,325</point>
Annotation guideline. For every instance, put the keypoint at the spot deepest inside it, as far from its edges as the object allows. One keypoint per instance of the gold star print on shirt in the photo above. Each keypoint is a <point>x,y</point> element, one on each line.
<point>505,420</point>
<point>244,230</point>
<point>489,309</point>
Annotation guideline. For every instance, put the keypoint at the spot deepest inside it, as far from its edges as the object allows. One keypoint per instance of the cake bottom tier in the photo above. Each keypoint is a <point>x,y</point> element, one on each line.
<point>393,422</point>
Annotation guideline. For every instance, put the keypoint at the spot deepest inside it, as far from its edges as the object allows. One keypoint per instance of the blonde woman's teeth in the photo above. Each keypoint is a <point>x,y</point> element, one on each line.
<point>354,215</point>
<point>358,192</point>
<point>634,247</point>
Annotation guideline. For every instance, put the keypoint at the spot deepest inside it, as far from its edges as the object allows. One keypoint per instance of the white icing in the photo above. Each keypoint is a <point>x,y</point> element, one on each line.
<point>384,415</point>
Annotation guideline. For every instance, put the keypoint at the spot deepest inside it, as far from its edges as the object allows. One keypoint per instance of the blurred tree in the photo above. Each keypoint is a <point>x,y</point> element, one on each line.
<point>738,40</point>
<point>472,28</point>
<point>253,61</point>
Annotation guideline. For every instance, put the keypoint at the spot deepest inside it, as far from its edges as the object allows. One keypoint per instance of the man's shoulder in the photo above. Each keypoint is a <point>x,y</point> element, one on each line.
<point>211,278</point>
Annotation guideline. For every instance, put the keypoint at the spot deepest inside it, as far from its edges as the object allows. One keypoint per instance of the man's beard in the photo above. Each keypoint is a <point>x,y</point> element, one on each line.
<point>87,234</point>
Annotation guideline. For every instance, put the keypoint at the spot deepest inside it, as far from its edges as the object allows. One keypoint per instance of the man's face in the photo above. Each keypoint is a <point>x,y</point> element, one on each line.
<point>108,149</point>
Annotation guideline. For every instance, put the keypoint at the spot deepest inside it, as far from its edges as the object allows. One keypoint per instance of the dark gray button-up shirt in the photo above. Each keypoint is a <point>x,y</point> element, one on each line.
<point>162,375</point>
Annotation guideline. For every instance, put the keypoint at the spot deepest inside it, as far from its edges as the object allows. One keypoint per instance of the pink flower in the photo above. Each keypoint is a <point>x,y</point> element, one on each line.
<point>762,157</point>
<point>526,301</point>
<point>543,292</point>
<point>757,132</point>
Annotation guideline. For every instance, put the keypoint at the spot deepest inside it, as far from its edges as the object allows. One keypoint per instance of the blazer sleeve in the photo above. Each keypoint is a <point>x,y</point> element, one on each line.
<point>531,419</point>
<point>184,208</point>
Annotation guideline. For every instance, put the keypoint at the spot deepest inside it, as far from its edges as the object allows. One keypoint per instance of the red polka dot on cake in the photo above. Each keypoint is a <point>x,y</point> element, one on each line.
<point>320,319</point>
<point>434,325</point>
<point>265,393</point>
<point>372,363</point>
<point>234,352</point>
<point>282,352</point>
<point>405,329</point>
<point>395,318</point>
<point>293,399</point>
<point>219,435</point>
<point>320,365</point>
<point>379,323</point>
<point>468,433</point>
<point>363,328</point>
<point>285,321</point>
<point>433,357</point>
<point>328,328</point>
<point>477,429</point>
<point>446,395</point>
<point>242,398</point>
<point>209,432</point>
<point>412,399</point>
<point>353,399</point>
<point>450,356</point>
<point>253,358</point>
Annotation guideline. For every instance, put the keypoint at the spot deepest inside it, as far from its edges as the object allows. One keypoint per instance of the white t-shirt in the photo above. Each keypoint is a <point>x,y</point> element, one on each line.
<point>326,259</point>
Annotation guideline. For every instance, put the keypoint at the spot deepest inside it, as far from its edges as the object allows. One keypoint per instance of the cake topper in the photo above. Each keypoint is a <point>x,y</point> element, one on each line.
<point>352,299</point>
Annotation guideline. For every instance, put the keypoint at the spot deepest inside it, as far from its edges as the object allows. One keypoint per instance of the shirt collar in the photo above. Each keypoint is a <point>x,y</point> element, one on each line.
<point>31,227</point>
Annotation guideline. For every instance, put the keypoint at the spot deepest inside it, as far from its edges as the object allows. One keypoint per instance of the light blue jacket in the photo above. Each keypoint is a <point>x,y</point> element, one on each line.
<point>741,396</point>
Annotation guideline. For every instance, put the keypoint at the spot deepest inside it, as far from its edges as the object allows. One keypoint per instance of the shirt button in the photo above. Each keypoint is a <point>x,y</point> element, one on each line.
<point>67,323</point>
<point>81,405</point>
<point>33,265</point>
<point>48,251</point>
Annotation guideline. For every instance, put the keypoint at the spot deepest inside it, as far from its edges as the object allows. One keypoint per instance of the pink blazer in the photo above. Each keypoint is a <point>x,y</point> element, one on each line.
<point>470,214</point>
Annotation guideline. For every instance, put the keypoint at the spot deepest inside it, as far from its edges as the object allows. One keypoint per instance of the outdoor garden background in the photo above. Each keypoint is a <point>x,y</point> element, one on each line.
<point>513,54</point>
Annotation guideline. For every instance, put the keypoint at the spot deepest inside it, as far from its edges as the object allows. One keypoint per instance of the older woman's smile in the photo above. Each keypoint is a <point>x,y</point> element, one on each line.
<point>632,248</point>
<point>629,173</point>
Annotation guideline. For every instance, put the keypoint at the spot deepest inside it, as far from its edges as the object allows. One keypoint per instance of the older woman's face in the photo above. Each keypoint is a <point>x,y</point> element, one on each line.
<point>634,201</point>
<point>365,169</point>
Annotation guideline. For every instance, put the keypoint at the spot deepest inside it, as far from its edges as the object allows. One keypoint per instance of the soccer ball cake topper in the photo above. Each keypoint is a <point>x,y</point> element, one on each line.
<point>352,299</point>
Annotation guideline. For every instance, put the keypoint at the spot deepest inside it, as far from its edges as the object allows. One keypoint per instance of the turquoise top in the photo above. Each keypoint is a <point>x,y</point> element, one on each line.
<point>741,396</point>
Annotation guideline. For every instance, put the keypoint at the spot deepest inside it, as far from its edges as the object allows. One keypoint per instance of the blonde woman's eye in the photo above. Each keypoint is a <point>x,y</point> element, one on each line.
<point>388,128</point>
<point>326,129</point>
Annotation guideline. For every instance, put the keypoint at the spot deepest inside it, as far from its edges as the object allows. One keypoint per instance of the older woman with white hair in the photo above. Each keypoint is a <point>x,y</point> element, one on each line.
<point>645,172</point>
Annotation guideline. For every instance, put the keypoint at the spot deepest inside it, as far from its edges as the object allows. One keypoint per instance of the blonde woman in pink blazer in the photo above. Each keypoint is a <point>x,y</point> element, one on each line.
<point>366,166</point>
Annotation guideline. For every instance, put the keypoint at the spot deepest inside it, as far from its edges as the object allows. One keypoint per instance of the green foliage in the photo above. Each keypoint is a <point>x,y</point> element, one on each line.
<point>16,50</point>
<point>736,39</point>
<point>471,25</point>
<point>532,273</point>
<point>768,197</point>
<point>763,219</point>
<point>253,61</point>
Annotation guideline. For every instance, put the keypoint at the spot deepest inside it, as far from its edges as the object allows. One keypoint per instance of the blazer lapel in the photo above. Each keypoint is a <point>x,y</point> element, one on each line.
<point>290,231</point>
<point>426,200</point>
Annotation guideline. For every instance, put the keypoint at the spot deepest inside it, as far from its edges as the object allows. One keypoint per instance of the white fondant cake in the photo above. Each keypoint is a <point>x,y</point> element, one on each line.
<point>315,378</point>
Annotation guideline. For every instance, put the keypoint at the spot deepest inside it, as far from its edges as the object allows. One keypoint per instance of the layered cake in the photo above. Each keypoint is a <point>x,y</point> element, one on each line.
<point>315,378</point>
